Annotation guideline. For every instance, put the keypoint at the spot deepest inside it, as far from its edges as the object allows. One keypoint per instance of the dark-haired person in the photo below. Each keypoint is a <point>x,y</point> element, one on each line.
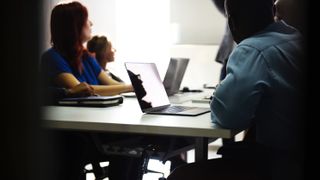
<point>103,50</point>
<point>68,63</point>
<point>262,90</point>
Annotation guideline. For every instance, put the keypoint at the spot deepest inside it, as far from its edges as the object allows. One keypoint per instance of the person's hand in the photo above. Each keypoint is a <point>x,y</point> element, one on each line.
<point>82,89</point>
<point>128,88</point>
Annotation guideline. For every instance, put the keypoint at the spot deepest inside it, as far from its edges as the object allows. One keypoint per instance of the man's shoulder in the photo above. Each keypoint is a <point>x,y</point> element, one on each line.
<point>274,35</point>
<point>261,41</point>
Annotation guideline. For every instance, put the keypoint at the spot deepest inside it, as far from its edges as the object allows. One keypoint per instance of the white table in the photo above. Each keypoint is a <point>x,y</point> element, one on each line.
<point>128,118</point>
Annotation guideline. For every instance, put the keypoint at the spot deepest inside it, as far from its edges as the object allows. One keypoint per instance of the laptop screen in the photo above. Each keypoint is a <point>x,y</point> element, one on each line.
<point>147,85</point>
<point>174,75</point>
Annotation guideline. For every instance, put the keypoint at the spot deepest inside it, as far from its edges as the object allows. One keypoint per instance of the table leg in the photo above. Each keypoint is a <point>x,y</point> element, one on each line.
<point>201,149</point>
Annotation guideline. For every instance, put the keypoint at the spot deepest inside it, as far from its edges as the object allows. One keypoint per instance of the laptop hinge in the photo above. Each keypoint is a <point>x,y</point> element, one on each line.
<point>156,108</point>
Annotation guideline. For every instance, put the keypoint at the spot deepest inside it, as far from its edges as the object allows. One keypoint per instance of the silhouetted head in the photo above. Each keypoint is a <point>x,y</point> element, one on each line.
<point>247,17</point>
<point>102,48</point>
<point>137,84</point>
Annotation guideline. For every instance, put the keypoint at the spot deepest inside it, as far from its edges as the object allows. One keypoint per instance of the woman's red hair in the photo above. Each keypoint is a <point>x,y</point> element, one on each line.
<point>67,21</point>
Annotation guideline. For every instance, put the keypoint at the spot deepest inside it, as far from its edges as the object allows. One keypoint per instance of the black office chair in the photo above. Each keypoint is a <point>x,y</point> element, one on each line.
<point>126,148</point>
<point>99,172</point>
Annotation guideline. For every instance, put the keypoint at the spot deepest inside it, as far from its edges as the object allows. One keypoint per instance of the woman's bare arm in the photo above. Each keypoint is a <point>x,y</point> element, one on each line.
<point>68,81</point>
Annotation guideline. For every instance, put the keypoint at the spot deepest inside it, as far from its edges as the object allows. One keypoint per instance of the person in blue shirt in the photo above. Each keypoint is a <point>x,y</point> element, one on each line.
<point>68,63</point>
<point>66,66</point>
<point>263,90</point>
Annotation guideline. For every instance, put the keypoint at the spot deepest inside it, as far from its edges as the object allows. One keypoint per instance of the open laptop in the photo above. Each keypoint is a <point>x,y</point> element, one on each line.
<point>151,93</point>
<point>174,75</point>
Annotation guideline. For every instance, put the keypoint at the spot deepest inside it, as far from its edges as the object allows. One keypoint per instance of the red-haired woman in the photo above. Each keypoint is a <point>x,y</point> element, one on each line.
<point>68,63</point>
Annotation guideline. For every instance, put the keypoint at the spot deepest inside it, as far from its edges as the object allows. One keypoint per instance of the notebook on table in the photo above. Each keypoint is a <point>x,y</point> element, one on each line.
<point>92,101</point>
<point>151,94</point>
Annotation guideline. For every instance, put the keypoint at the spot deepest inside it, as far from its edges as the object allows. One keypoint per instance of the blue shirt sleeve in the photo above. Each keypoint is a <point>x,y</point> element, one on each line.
<point>237,96</point>
<point>94,65</point>
<point>53,64</point>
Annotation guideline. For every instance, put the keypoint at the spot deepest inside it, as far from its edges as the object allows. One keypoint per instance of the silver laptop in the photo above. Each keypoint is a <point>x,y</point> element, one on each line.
<point>174,75</point>
<point>151,93</point>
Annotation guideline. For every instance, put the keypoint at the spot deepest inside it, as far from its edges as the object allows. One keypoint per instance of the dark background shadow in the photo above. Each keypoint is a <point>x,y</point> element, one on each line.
<point>26,151</point>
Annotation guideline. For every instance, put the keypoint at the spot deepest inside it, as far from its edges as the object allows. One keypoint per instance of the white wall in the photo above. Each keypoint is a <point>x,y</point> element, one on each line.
<point>46,12</point>
<point>193,21</point>
<point>102,14</point>
<point>198,21</point>
<point>143,31</point>
<point>202,68</point>
<point>140,31</point>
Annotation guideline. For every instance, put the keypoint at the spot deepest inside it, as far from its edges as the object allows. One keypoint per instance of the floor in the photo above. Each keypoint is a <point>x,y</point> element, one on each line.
<point>165,168</point>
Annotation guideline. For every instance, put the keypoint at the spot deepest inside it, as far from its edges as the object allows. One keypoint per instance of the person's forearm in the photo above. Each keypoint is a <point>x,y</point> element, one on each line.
<point>110,90</point>
<point>114,82</point>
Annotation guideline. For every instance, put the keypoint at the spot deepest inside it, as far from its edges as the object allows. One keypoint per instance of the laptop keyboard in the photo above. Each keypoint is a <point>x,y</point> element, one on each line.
<point>175,109</point>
